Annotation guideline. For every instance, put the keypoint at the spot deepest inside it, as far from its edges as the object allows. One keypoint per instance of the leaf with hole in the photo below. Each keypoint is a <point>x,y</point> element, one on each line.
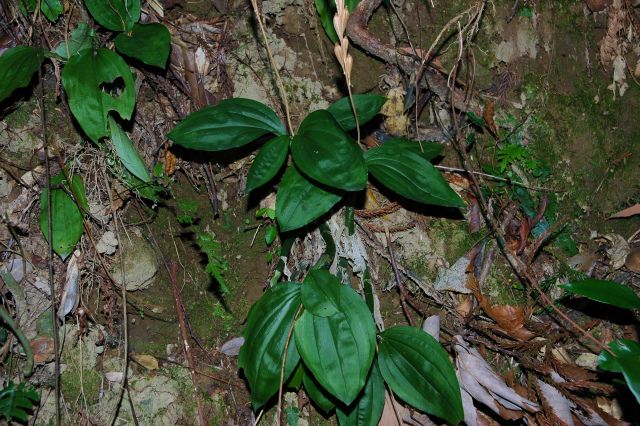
<point>149,43</point>
<point>66,218</point>
<point>268,162</point>
<point>87,78</point>
<point>230,124</point>
<point>324,152</point>
<point>116,15</point>
<point>83,37</point>
<point>627,362</point>
<point>17,66</point>
<point>300,201</point>
<point>603,291</point>
<point>338,350</point>
<point>367,107</point>
<point>265,337</point>
<point>367,409</point>
<point>418,369</point>
<point>320,293</point>
<point>411,176</point>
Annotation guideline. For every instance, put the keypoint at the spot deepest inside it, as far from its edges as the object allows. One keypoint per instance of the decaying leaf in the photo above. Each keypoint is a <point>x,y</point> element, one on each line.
<point>617,249</point>
<point>147,361</point>
<point>70,294</point>
<point>487,115</point>
<point>396,122</point>
<point>633,260</point>
<point>169,163</point>
<point>391,417</point>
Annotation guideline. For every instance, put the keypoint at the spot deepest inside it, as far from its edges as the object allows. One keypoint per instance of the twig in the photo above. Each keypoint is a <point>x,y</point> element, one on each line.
<point>235,404</point>
<point>498,178</point>
<point>213,193</point>
<point>513,11</point>
<point>401,289</point>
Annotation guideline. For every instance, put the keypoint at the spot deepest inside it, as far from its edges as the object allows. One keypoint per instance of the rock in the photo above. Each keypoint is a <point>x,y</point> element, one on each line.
<point>140,264</point>
<point>108,243</point>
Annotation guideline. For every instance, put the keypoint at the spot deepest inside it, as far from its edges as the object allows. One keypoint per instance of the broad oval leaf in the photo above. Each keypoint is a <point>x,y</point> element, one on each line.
<point>66,218</point>
<point>230,124</point>
<point>426,150</point>
<point>626,362</point>
<point>265,337</point>
<point>367,409</point>
<point>320,293</point>
<point>411,176</point>
<point>83,37</point>
<point>267,163</point>
<point>418,369</point>
<point>323,399</point>
<point>338,350</point>
<point>299,201</point>
<point>603,291</point>
<point>367,106</point>
<point>127,153</point>
<point>325,153</point>
<point>116,15</point>
<point>17,66</point>
<point>51,9</point>
<point>327,9</point>
<point>84,77</point>
<point>149,43</point>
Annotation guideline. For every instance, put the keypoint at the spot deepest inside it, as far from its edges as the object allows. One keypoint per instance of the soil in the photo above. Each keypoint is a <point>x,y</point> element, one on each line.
<point>543,69</point>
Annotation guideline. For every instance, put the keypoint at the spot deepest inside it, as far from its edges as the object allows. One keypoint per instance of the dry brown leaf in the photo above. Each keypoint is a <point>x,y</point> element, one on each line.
<point>465,307</point>
<point>487,115</point>
<point>510,318</point>
<point>169,163</point>
<point>633,210</point>
<point>147,361</point>
<point>633,260</point>
<point>389,417</point>
<point>42,349</point>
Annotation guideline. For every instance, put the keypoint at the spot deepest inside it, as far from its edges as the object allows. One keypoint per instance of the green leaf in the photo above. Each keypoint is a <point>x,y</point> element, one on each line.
<point>127,153</point>
<point>367,409</point>
<point>16,400</point>
<point>66,218</point>
<point>429,150</point>
<point>325,153</point>
<point>627,362</point>
<point>83,37</point>
<point>51,9</point>
<point>317,393</point>
<point>411,176</point>
<point>267,163</point>
<point>326,10</point>
<point>418,369</point>
<point>338,350</point>
<point>475,119</point>
<point>367,106</point>
<point>149,43</point>
<point>271,234</point>
<point>265,334</point>
<point>320,293</point>
<point>83,77</point>
<point>299,201</point>
<point>603,291</point>
<point>27,6</point>
<point>17,65</point>
<point>292,414</point>
<point>230,124</point>
<point>116,15</point>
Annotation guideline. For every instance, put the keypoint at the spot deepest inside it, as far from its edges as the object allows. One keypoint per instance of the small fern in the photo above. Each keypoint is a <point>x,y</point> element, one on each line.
<point>16,401</point>
<point>510,154</point>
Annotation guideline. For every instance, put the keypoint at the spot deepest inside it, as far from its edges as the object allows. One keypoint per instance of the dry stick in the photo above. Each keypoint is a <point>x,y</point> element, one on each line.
<point>403,293</point>
<point>515,262</point>
<point>273,63</point>
<point>284,360</point>
<point>171,270</point>
<point>123,381</point>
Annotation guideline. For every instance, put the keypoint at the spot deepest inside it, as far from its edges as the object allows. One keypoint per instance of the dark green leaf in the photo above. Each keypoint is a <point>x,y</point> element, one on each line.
<point>66,218</point>
<point>271,234</point>
<point>418,369</point>
<point>475,119</point>
<point>320,293</point>
<point>367,106</point>
<point>83,78</point>
<point>325,153</point>
<point>295,381</point>
<point>267,163</point>
<point>603,291</point>
<point>265,334</point>
<point>627,362</point>
<point>230,124</point>
<point>426,150</point>
<point>367,409</point>
<point>317,393</point>
<point>411,176</point>
<point>149,43</point>
<point>83,37</point>
<point>292,414</point>
<point>127,153</point>
<point>27,6</point>
<point>338,350</point>
<point>327,9</point>
<point>51,9</point>
<point>17,66</point>
<point>299,201</point>
<point>116,15</point>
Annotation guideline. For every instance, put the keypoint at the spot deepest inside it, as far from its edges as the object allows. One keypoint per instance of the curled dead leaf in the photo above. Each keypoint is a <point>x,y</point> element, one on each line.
<point>169,163</point>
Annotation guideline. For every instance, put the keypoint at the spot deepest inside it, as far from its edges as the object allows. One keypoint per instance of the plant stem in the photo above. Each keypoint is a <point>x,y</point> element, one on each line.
<point>254,3</point>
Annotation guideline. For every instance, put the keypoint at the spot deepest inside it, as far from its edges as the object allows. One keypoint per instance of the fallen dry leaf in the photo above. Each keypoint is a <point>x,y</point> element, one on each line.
<point>169,163</point>
<point>147,361</point>
<point>633,210</point>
